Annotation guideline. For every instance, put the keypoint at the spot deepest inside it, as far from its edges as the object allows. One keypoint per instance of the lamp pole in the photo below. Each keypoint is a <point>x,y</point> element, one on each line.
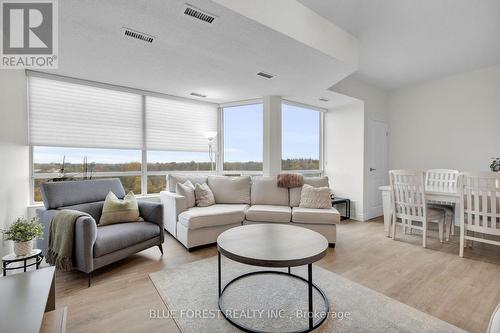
<point>211,153</point>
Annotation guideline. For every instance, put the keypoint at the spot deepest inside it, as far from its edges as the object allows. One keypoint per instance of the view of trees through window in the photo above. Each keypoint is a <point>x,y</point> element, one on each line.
<point>58,163</point>
<point>300,138</point>
<point>159,161</point>
<point>48,161</point>
<point>243,141</point>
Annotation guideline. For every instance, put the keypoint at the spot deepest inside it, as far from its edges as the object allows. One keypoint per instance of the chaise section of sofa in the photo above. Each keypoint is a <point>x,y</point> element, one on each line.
<point>319,220</point>
<point>197,226</point>
<point>241,200</point>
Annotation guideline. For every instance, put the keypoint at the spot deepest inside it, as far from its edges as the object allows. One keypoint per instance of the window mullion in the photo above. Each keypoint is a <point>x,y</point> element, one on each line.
<point>144,162</point>
<point>220,141</point>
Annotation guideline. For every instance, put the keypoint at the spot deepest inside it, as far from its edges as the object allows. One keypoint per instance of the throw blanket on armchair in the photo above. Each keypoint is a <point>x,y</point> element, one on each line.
<point>61,235</point>
<point>290,180</point>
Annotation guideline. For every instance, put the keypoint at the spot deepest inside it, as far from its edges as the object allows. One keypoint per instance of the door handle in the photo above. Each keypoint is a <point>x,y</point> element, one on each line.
<point>372,169</point>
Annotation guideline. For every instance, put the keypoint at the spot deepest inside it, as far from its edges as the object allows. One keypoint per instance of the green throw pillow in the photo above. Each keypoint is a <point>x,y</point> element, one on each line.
<point>119,211</point>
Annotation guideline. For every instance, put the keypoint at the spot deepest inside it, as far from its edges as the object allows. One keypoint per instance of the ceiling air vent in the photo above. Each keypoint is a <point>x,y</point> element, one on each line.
<point>198,95</point>
<point>138,35</point>
<point>199,14</point>
<point>324,99</point>
<point>266,75</point>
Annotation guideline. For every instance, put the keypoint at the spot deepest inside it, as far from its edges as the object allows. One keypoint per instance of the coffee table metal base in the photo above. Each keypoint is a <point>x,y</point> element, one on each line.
<point>311,325</point>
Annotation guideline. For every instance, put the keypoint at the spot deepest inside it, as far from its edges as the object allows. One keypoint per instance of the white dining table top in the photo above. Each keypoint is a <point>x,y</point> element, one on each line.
<point>427,192</point>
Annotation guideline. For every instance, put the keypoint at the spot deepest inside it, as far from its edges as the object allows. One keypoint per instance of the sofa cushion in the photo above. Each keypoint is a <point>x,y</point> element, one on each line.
<point>315,197</point>
<point>204,196</point>
<point>69,193</point>
<point>172,180</point>
<point>265,191</point>
<point>315,216</point>
<point>186,189</point>
<point>215,215</point>
<point>117,210</point>
<point>313,181</point>
<point>269,213</point>
<point>94,209</point>
<point>114,237</point>
<point>230,190</point>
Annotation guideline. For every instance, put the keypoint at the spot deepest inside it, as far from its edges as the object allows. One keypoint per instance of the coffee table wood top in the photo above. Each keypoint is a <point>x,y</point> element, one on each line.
<point>272,245</point>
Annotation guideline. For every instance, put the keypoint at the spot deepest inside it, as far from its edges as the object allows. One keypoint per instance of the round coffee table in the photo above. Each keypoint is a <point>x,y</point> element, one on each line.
<point>273,245</point>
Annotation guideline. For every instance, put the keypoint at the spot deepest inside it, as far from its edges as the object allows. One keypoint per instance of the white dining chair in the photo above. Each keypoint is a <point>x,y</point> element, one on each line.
<point>480,208</point>
<point>410,206</point>
<point>443,181</point>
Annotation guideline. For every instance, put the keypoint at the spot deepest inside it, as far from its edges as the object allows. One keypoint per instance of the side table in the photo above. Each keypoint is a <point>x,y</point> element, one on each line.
<point>15,262</point>
<point>347,205</point>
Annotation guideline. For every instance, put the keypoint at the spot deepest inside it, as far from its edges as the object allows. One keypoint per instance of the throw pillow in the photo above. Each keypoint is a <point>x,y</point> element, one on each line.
<point>118,211</point>
<point>290,180</point>
<point>315,197</point>
<point>204,195</point>
<point>187,191</point>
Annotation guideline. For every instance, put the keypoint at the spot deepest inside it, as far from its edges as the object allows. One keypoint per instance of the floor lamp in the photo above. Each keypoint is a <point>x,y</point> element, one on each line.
<point>211,151</point>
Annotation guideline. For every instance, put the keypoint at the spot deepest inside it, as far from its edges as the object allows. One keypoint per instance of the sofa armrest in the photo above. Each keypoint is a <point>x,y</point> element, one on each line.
<point>152,212</point>
<point>85,236</point>
<point>45,217</point>
<point>173,205</point>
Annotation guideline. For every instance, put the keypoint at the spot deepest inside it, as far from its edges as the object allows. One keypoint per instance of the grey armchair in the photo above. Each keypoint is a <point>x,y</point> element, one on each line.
<point>97,246</point>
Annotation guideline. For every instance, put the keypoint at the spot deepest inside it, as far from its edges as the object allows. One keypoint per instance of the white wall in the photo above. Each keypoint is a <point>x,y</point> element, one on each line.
<point>375,99</point>
<point>14,151</point>
<point>376,107</point>
<point>344,154</point>
<point>448,123</point>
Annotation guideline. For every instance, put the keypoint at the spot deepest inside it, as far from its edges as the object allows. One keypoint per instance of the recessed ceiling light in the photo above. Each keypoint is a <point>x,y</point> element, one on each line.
<point>266,75</point>
<point>198,95</point>
<point>324,99</point>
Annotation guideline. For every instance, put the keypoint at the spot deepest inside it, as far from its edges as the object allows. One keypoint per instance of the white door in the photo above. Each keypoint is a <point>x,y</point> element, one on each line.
<point>376,166</point>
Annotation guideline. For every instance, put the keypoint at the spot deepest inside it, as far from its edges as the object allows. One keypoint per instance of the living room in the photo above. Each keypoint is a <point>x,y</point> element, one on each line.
<point>225,166</point>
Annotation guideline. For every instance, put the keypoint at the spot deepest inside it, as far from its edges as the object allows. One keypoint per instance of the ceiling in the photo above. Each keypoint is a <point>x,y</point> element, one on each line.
<point>219,60</point>
<point>409,41</point>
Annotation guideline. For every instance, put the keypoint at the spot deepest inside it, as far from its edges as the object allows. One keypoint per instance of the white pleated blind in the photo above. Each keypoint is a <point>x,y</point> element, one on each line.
<point>179,125</point>
<point>74,115</point>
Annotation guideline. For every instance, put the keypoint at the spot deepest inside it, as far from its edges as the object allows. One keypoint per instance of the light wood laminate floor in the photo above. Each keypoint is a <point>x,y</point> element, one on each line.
<point>461,291</point>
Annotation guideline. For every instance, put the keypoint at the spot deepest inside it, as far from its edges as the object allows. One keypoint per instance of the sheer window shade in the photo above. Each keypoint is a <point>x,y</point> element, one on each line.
<point>74,115</point>
<point>179,125</point>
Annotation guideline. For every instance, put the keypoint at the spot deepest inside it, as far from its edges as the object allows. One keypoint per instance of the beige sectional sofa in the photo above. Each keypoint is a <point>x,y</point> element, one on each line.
<point>241,200</point>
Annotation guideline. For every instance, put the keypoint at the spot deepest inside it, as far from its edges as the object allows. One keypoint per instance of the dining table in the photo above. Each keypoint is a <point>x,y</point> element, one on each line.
<point>431,196</point>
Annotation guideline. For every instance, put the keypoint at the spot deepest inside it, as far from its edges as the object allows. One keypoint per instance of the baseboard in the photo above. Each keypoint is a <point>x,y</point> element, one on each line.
<point>358,217</point>
<point>373,214</point>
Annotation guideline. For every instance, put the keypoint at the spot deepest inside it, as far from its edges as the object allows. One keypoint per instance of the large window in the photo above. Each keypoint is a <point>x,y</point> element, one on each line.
<point>243,135</point>
<point>82,131</point>
<point>301,138</point>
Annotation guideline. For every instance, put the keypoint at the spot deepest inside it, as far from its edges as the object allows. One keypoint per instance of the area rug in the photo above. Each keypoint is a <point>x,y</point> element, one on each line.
<point>278,303</point>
